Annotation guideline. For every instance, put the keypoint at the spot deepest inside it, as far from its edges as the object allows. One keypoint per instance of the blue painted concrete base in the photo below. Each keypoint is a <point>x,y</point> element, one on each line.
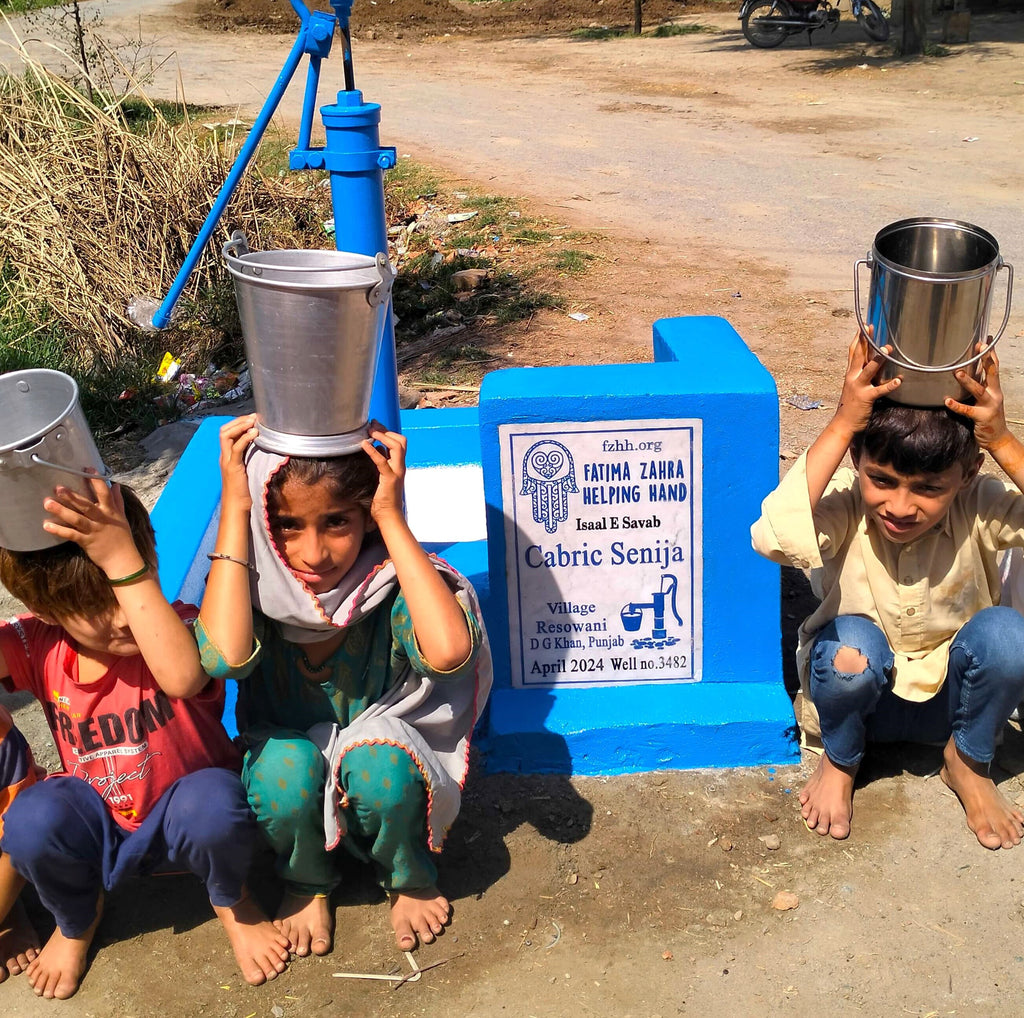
<point>739,715</point>
<point>645,729</point>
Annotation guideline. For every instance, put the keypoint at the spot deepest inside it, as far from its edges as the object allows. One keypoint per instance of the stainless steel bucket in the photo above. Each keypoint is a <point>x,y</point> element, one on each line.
<point>312,322</point>
<point>44,442</point>
<point>930,298</point>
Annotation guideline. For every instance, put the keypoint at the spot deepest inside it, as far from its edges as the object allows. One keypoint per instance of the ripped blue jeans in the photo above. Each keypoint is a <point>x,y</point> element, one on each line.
<point>984,683</point>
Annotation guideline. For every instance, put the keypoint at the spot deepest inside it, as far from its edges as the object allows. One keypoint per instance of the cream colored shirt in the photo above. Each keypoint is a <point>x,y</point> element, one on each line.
<point>919,594</point>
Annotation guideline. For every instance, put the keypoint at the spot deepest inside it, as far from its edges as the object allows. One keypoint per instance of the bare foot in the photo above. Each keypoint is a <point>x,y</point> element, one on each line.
<point>57,970</point>
<point>307,922</point>
<point>260,950</point>
<point>995,823</point>
<point>827,799</point>
<point>419,914</point>
<point>19,942</point>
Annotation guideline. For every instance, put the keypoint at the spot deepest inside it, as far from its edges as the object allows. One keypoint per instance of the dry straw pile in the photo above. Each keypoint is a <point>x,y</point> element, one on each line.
<point>94,213</point>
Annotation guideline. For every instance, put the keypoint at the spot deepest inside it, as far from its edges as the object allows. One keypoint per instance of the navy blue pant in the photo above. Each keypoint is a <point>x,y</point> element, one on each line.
<point>984,682</point>
<point>62,838</point>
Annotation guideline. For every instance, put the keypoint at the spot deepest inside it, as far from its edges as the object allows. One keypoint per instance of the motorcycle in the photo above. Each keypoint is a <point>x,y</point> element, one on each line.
<point>767,22</point>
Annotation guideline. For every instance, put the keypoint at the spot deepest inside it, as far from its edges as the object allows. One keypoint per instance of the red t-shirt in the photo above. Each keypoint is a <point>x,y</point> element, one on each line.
<point>122,734</point>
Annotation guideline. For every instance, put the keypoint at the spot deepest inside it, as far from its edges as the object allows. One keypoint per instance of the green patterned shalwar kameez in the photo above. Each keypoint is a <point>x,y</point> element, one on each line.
<point>384,798</point>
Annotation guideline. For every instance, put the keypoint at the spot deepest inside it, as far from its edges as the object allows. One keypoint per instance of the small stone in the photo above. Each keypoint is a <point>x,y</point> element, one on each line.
<point>738,915</point>
<point>572,878</point>
<point>719,917</point>
<point>277,1012</point>
<point>784,901</point>
<point>771,841</point>
<point>468,280</point>
<point>667,955</point>
<point>725,844</point>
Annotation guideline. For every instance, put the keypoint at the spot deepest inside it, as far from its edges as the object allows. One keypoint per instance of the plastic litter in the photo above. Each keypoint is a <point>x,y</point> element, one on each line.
<point>192,393</point>
<point>802,402</point>
<point>169,367</point>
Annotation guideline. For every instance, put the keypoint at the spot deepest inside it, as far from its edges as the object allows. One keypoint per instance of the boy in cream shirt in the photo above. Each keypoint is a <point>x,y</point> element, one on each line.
<point>909,641</point>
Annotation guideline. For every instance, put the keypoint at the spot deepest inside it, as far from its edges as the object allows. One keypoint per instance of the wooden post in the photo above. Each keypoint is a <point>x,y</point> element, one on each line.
<point>914,26</point>
<point>638,16</point>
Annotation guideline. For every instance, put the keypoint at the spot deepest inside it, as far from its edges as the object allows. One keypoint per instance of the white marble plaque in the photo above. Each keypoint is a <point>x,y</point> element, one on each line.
<point>603,551</point>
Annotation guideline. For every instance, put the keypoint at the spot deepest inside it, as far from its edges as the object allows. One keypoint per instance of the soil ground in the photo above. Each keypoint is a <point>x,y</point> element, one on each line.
<point>417,19</point>
<point>650,895</point>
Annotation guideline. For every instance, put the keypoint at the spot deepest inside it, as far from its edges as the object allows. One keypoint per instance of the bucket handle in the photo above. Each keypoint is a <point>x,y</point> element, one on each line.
<point>237,246</point>
<point>382,290</point>
<point>105,476</point>
<point>928,368</point>
<point>22,459</point>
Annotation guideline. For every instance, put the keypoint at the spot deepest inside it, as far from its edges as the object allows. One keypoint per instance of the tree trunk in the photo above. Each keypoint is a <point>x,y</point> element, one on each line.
<point>638,16</point>
<point>913,25</point>
<point>80,38</point>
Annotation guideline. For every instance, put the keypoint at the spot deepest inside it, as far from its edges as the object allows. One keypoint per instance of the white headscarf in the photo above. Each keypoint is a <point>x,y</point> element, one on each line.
<point>302,615</point>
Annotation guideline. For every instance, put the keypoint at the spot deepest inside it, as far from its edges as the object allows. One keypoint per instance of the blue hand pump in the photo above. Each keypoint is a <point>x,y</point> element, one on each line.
<point>354,159</point>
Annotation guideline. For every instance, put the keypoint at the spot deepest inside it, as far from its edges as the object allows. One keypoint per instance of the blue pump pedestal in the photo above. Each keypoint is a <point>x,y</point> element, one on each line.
<point>737,712</point>
<point>356,162</point>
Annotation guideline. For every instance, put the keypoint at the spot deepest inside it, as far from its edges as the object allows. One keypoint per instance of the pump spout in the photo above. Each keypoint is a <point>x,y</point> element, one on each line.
<point>671,589</point>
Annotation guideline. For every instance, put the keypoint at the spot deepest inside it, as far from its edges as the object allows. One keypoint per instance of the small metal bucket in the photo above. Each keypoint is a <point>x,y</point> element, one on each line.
<point>930,298</point>
<point>44,442</point>
<point>312,322</point>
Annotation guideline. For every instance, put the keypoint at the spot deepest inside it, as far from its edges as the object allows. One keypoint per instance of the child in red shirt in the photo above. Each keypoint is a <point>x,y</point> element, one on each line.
<point>149,774</point>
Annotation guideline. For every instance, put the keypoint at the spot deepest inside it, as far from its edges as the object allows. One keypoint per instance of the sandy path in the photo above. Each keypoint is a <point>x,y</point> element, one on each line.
<point>793,157</point>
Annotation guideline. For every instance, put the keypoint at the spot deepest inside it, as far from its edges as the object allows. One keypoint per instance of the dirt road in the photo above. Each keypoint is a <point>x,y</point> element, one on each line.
<point>763,172</point>
<point>794,156</point>
<point>722,170</point>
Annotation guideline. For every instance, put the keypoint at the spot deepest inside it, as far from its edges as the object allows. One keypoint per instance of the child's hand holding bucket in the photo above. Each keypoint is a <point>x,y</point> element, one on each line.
<point>390,495</point>
<point>235,437</point>
<point>987,412</point>
<point>859,388</point>
<point>98,526</point>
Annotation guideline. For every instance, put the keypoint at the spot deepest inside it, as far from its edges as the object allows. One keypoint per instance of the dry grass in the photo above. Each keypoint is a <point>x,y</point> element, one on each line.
<point>95,212</point>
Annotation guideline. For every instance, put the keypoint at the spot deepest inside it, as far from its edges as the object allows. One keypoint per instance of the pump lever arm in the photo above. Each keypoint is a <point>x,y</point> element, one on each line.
<point>313,38</point>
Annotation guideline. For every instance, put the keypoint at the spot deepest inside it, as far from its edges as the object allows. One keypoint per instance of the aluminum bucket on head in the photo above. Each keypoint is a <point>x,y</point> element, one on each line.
<point>312,322</point>
<point>44,442</point>
<point>930,298</point>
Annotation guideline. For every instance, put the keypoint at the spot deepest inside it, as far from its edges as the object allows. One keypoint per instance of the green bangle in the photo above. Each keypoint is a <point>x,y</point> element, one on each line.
<point>131,577</point>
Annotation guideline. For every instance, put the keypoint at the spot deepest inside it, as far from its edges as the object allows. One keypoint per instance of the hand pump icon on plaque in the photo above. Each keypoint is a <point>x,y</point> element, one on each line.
<point>632,616</point>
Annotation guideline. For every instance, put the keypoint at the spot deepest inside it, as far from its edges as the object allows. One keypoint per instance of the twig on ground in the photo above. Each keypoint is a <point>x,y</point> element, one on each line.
<point>412,977</point>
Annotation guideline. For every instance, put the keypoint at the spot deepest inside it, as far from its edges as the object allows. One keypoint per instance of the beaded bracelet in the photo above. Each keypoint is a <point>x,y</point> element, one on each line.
<point>122,580</point>
<point>215,556</point>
